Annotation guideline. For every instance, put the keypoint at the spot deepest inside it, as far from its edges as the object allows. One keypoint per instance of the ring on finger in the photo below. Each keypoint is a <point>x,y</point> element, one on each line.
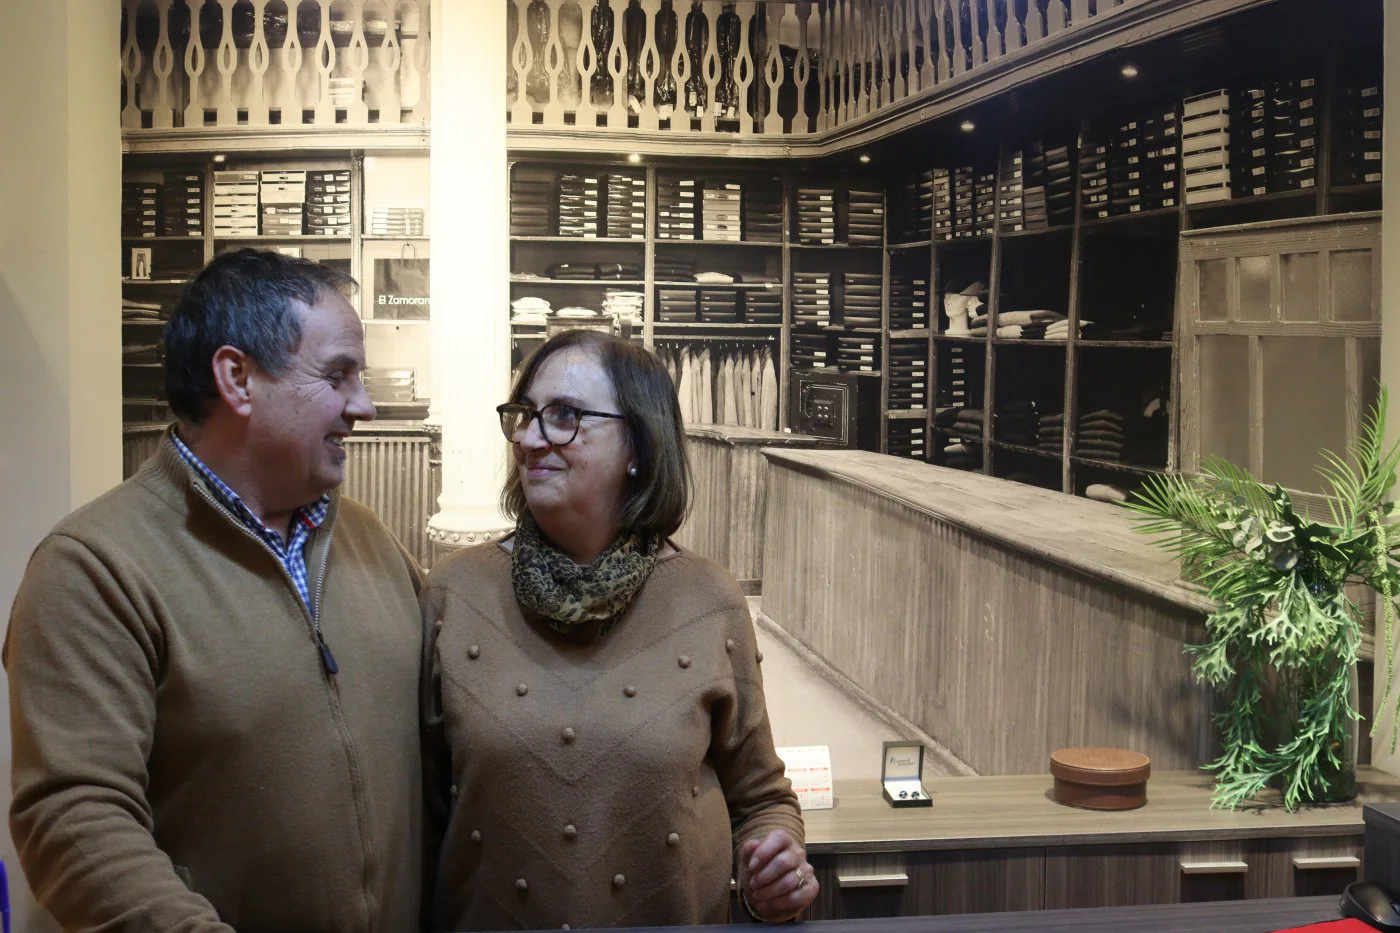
<point>801,877</point>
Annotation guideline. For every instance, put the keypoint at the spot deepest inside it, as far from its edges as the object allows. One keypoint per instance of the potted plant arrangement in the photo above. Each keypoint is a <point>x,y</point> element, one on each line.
<point>1285,635</point>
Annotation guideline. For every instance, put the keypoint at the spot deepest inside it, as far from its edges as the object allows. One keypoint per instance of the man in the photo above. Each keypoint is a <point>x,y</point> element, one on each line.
<point>214,667</point>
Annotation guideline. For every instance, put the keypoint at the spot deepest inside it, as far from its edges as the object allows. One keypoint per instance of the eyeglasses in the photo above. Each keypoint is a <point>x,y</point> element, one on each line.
<point>558,423</point>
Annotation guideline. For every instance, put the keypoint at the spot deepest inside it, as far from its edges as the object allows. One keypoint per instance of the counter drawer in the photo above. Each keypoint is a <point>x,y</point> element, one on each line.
<point>897,884</point>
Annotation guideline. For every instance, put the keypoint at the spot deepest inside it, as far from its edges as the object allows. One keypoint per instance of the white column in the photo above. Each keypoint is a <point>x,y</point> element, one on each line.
<point>60,294</point>
<point>470,250</point>
<point>1390,344</point>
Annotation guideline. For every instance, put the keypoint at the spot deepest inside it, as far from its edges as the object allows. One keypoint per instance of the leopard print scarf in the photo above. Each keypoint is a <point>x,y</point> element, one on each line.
<point>579,601</point>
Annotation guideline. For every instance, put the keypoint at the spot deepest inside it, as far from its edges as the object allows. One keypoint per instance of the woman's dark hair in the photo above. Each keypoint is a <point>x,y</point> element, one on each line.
<point>245,298</point>
<point>658,497</point>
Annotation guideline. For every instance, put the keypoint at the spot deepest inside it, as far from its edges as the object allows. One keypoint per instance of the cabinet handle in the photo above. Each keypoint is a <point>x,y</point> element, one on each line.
<point>1213,868</point>
<point>893,880</point>
<point>1322,862</point>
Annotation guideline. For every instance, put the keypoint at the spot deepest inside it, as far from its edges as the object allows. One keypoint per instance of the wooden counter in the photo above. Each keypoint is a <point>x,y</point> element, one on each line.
<point>1000,844</point>
<point>1016,810</point>
<point>999,620</point>
<point>726,516</point>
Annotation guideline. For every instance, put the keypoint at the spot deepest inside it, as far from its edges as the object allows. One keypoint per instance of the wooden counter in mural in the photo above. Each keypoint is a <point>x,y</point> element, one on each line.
<point>391,466</point>
<point>726,516</point>
<point>1000,620</point>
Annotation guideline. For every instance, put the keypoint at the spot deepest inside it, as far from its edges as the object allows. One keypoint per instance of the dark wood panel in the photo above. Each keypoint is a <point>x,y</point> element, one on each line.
<point>1313,866</point>
<point>1111,876</point>
<point>934,883</point>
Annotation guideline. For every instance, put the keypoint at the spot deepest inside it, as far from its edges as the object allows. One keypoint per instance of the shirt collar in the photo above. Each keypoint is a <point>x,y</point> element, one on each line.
<point>310,516</point>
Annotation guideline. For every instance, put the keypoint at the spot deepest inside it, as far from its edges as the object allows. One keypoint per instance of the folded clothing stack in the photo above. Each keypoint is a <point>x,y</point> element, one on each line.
<point>968,423</point>
<point>578,205</point>
<point>952,381</point>
<point>963,449</point>
<point>282,196</point>
<point>906,364</point>
<point>811,298</point>
<point>763,211</point>
<point>858,354</point>
<point>529,310</point>
<point>616,271</point>
<point>676,305</point>
<point>624,304</point>
<point>328,203</point>
<point>865,219</point>
<point>676,208</point>
<point>1357,127</point>
<point>986,201</point>
<point>531,196</point>
<point>764,305</point>
<point>1011,184</point>
<point>1026,325</point>
<point>1106,492</point>
<point>719,305</point>
<point>942,204</point>
<point>1101,435</point>
<point>860,298</point>
<point>183,204</point>
<point>908,301</point>
<point>907,438</point>
<point>1131,330</point>
<point>722,211</point>
<point>673,268</point>
<point>911,213</point>
<point>141,209</point>
<point>1015,423</point>
<point>235,203</point>
<point>626,210</point>
<point>1059,330</point>
<point>1050,433</point>
<point>810,351</point>
<point>816,216</point>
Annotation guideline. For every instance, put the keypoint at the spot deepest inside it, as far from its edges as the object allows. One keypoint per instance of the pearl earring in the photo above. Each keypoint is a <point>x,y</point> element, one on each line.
<point>632,470</point>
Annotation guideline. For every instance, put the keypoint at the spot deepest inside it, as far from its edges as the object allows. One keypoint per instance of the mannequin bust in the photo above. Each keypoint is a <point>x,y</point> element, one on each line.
<point>957,309</point>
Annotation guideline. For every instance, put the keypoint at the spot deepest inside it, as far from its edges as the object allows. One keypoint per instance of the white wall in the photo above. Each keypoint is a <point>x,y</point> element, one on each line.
<point>1390,332</point>
<point>60,378</point>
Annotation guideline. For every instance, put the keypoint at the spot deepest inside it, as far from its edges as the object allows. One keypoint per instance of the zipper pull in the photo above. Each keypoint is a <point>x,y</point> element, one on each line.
<point>327,659</point>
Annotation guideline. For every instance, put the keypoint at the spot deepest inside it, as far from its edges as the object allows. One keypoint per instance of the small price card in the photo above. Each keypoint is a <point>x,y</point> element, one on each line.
<point>809,769</point>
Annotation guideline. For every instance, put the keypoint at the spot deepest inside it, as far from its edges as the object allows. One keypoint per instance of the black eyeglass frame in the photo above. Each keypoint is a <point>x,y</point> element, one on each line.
<point>538,414</point>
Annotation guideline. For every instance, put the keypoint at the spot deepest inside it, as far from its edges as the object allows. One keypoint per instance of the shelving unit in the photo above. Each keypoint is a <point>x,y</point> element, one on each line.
<point>390,341</point>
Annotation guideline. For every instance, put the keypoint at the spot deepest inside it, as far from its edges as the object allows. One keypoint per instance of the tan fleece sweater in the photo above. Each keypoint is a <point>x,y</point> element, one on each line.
<point>603,784</point>
<point>181,760</point>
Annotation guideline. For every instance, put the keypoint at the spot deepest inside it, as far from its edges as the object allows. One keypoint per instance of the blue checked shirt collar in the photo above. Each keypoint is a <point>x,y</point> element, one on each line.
<point>307,519</point>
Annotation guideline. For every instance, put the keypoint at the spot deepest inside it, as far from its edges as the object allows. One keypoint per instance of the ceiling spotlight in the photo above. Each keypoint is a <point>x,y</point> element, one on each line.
<point>967,126</point>
<point>864,159</point>
<point>1130,70</point>
<point>220,158</point>
<point>635,157</point>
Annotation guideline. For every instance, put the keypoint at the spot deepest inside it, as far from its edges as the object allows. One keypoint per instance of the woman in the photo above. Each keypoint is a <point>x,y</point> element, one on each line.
<point>595,690</point>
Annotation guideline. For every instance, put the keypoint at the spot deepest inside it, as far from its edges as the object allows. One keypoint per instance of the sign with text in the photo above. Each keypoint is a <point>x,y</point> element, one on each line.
<point>809,770</point>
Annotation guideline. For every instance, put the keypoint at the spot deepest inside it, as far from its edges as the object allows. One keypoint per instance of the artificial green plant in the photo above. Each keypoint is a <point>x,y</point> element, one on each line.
<point>1285,635</point>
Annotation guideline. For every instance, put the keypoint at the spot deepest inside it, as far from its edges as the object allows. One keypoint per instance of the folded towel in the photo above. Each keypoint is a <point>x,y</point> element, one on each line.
<point>1105,492</point>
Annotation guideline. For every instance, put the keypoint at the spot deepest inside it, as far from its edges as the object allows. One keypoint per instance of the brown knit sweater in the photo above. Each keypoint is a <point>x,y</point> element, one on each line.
<point>603,784</point>
<point>181,761</point>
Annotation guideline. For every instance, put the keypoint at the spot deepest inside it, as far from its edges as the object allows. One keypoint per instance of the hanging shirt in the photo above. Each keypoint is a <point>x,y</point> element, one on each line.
<point>770,391</point>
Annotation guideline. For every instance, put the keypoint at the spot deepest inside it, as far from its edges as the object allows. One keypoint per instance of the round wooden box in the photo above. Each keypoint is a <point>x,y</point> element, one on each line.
<point>1100,778</point>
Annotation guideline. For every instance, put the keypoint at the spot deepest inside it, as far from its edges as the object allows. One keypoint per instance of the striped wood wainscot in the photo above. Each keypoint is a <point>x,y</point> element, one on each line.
<point>726,515</point>
<point>1004,621</point>
<point>387,467</point>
